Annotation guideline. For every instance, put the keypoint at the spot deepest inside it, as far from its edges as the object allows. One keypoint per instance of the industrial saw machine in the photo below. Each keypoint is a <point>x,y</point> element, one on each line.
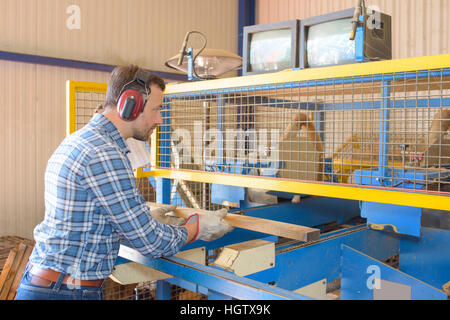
<point>356,156</point>
<point>336,179</point>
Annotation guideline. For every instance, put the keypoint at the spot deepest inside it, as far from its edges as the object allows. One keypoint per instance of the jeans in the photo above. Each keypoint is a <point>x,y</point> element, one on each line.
<point>55,290</point>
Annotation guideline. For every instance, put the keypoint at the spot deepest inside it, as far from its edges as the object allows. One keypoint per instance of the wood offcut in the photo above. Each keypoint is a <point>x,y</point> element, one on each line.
<point>13,269</point>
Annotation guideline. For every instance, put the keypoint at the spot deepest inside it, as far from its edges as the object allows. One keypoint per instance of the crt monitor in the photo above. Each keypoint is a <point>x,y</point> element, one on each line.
<point>324,40</point>
<point>270,47</point>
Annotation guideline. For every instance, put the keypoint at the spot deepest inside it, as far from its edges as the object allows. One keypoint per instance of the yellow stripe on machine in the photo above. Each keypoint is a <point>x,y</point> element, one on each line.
<point>373,194</point>
<point>422,200</point>
<point>350,70</point>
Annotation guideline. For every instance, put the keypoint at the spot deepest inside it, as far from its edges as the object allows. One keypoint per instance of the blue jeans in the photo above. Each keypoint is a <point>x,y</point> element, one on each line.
<point>55,290</point>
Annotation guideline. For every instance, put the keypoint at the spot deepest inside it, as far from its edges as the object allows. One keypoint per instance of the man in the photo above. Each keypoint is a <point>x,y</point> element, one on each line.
<point>91,200</point>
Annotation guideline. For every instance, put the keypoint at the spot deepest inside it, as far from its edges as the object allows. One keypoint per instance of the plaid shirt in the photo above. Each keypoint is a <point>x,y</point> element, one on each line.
<point>91,202</point>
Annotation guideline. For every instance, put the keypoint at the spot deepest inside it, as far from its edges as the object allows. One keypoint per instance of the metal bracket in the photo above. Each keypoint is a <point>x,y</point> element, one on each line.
<point>247,257</point>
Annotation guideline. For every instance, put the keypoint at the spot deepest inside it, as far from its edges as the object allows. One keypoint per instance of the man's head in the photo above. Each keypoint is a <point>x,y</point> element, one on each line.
<point>141,127</point>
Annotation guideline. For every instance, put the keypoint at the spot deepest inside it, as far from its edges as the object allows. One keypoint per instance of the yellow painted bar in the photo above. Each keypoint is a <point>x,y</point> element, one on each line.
<point>349,70</point>
<point>138,173</point>
<point>70,107</point>
<point>404,198</point>
<point>71,88</point>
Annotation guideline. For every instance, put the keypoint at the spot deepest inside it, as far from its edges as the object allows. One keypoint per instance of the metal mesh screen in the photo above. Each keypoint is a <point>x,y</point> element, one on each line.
<point>86,102</point>
<point>387,130</point>
<point>145,291</point>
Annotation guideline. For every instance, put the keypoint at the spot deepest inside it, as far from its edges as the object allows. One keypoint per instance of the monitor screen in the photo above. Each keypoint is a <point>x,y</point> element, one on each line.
<point>270,50</point>
<point>328,43</point>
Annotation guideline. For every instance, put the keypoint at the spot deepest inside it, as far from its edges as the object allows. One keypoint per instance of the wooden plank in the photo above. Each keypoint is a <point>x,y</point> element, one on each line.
<point>12,272</point>
<point>19,273</point>
<point>7,267</point>
<point>9,242</point>
<point>282,229</point>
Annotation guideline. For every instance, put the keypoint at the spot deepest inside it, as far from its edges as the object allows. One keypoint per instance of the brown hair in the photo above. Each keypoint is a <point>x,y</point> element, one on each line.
<point>122,75</point>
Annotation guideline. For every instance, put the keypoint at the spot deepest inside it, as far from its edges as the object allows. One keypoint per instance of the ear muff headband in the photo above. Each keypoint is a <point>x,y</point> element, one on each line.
<point>131,102</point>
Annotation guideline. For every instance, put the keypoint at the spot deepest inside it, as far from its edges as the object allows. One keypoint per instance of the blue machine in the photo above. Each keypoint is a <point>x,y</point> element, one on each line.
<point>367,249</point>
<point>353,257</point>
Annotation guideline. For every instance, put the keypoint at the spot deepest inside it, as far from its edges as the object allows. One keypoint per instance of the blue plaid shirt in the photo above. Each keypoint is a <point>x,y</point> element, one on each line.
<point>91,202</point>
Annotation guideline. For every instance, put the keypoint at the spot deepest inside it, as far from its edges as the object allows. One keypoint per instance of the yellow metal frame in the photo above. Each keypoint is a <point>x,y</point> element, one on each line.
<point>431,200</point>
<point>349,70</point>
<point>71,88</point>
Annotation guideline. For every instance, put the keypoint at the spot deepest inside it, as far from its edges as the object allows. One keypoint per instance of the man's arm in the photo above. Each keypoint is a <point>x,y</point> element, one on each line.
<point>109,180</point>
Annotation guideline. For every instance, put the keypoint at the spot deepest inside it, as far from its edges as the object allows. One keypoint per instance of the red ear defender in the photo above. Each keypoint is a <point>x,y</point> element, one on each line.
<point>129,104</point>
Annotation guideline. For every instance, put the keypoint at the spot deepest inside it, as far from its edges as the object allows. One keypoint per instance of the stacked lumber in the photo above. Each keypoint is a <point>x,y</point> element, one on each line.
<point>7,243</point>
<point>14,265</point>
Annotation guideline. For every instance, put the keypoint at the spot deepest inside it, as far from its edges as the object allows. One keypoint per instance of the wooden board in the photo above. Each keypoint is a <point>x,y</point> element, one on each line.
<point>7,243</point>
<point>13,270</point>
<point>281,229</point>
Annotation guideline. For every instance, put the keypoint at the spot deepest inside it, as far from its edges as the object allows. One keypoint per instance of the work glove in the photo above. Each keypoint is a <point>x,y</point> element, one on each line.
<point>210,226</point>
<point>165,215</point>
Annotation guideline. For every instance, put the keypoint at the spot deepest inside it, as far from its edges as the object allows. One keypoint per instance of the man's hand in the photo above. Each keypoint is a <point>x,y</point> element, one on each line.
<point>211,226</point>
<point>162,214</point>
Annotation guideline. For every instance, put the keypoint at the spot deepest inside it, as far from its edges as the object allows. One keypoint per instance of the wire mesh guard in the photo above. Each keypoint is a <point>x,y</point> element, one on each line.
<point>388,130</point>
<point>145,291</point>
<point>86,103</point>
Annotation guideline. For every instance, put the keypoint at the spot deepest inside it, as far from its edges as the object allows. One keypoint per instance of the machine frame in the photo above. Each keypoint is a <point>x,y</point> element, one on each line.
<point>354,254</point>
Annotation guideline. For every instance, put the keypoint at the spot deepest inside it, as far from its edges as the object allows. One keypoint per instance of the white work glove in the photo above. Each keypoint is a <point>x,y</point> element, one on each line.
<point>165,215</point>
<point>210,226</point>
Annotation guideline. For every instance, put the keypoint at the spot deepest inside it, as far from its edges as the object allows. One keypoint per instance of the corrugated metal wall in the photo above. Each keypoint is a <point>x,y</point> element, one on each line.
<point>32,102</point>
<point>145,32</point>
<point>419,28</point>
<point>32,97</point>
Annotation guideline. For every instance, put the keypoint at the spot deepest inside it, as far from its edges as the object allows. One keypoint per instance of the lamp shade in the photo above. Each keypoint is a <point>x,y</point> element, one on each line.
<point>210,64</point>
